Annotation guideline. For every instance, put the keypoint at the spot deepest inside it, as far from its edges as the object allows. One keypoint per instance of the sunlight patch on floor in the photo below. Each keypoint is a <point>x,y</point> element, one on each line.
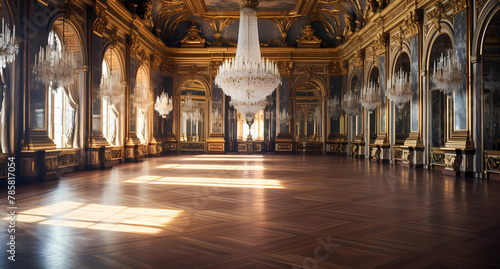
<point>213,182</point>
<point>220,167</point>
<point>101,217</point>
<point>224,159</point>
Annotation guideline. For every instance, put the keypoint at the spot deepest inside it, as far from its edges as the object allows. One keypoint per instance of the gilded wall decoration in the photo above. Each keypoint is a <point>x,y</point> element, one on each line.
<point>435,16</point>
<point>284,25</point>
<point>308,38</point>
<point>357,59</point>
<point>337,68</point>
<point>100,21</point>
<point>193,38</point>
<point>133,46</point>
<point>168,68</point>
<point>458,5</point>
<point>438,158</point>
<point>218,24</point>
<point>491,162</point>
<point>214,68</point>
<point>156,62</point>
<point>370,54</point>
<point>380,44</point>
<point>397,39</point>
<point>412,23</point>
<point>285,68</point>
<point>349,22</point>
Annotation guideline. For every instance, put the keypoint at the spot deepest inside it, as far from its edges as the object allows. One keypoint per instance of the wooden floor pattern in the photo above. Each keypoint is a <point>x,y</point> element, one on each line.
<point>256,211</point>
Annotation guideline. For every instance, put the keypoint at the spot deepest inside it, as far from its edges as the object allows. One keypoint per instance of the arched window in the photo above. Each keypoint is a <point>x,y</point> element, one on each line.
<point>61,111</point>
<point>111,111</point>
<point>374,115</point>
<point>257,127</point>
<point>142,84</point>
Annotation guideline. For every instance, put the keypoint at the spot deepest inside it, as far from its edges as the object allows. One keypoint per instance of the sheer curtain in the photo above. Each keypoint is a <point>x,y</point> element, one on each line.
<point>72,130</point>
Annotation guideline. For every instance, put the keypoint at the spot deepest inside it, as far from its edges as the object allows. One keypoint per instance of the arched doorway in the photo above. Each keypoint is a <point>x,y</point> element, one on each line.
<point>193,117</point>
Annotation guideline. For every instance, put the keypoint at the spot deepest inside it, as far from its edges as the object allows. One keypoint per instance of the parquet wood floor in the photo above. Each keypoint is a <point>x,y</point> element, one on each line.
<point>256,211</point>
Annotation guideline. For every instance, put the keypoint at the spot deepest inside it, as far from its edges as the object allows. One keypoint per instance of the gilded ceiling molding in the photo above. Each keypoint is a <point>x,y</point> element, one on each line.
<point>193,38</point>
<point>349,25</point>
<point>285,68</point>
<point>458,5</point>
<point>112,36</point>
<point>100,21</point>
<point>337,68</point>
<point>218,24</point>
<point>284,25</point>
<point>308,39</point>
<point>148,14</point>
<point>370,54</point>
<point>143,56</point>
<point>380,43</point>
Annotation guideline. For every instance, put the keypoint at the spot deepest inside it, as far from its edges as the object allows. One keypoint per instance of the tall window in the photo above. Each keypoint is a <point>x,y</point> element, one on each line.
<point>109,111</point>
<point>193,109</point>
<point>61,116</point>
<point>141,119</point>
<point>257,127</point>
<point>308,112</point>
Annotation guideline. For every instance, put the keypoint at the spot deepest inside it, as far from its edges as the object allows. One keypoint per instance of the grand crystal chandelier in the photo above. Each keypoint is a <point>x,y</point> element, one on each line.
<point>447,74</point>
<point>142,98</point>
<point>164,104</point>
<point>399,90</point>
<point>350,103</point>
<point>112,87</point>
<point>54,65</point>
<point>334,109</point>
<point>370,97</point>
<point>248,79</point>
<point>8,45</point>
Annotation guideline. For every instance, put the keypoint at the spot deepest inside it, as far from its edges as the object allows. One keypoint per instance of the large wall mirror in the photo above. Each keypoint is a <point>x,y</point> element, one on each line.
<point>402,115</point>
<point>308,112</point>
<point>193,112</point>
<point>440,103</point>
<point>374,115</point>
<point>491,85</point>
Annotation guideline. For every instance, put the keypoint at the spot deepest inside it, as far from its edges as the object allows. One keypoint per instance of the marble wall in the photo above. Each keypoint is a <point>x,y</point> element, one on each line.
<point>284,95</point>
<point>414,83</point>
<point>460,23</point>
<point>335,91</point>
<point>97,55</point>
<point>383,84</point>
<point>133,73</point>
<point>216,106</point>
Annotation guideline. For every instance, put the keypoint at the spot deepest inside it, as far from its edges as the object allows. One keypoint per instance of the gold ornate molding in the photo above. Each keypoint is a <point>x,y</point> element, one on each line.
<point>413,23</point>
<point>337,68</point>
<point>435,16</point>
<point>101,20</point>
<point>397,39</point>
<point>214,68</point>
<point>285,68</point>
<point>193,38</point>
<point>357,59</point>
<point>458,5</point>
<point>380,44</point>
<point>308,38</point>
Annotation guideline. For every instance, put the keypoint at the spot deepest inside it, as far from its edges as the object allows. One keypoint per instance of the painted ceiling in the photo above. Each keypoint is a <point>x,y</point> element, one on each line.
<point>281,22</point>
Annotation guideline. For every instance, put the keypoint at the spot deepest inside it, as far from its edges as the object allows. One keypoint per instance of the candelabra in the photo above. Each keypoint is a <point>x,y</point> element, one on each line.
<point>399,90</point>
<point>350,103</point>
<point>164,104</point>
<point>8,45</point>
<point>447,74</point>
<point>142,98</point>
<point>334,109</point>
<point>370,97</point>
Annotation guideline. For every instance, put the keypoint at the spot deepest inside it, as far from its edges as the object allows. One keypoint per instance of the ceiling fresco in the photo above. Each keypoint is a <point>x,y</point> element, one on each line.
<point>282,23</point>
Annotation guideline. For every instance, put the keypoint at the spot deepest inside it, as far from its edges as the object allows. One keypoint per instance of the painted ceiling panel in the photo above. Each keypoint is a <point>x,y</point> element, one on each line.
<point>264,5</point>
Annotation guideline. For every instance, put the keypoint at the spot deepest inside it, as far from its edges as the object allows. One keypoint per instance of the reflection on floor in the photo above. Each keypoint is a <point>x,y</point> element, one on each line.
<point>256,211</point>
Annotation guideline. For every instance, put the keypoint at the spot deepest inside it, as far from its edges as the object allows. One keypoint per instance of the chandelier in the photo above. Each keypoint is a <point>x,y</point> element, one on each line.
<point>190,110</point>
<point>447,74</point>
<point>54,65</point>
<point>284,118</point>
<point>8,45</point>
<point>142,98</point>
<point>350,103</point>
<point>399,90</point>
<point>164,104</point>
<point>370,97</point>
<point>112,87</point>
<point>334,107</point>
<point>248,79</point>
